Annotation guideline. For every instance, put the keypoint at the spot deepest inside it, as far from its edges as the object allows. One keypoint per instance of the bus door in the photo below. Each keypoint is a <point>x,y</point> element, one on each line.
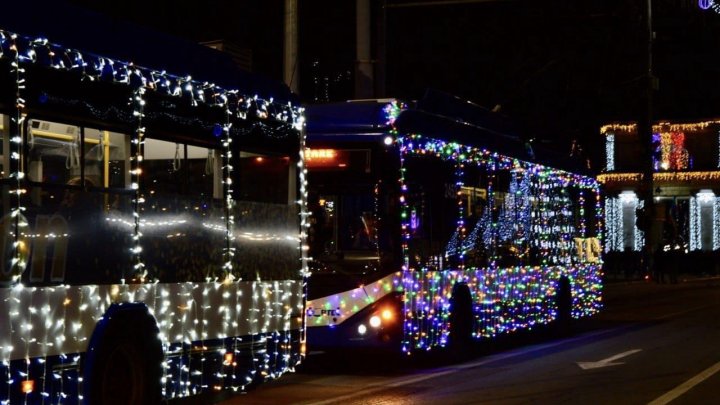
<point>432,212</point>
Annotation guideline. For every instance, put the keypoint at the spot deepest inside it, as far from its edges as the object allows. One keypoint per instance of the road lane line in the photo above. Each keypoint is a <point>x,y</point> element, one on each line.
<point>373,388</point>
<point>686,386</point>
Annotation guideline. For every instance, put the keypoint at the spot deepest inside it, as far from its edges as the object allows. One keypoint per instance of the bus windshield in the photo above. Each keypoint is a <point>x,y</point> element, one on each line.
<point>351,223</point>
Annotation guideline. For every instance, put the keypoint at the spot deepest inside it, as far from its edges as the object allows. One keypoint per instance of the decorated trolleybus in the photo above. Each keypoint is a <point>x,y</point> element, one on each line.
<point>427,229</point>
<point>151,231</point>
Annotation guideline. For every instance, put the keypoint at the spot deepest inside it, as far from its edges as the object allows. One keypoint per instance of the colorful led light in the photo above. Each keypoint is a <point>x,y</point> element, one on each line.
<point>506,298</point>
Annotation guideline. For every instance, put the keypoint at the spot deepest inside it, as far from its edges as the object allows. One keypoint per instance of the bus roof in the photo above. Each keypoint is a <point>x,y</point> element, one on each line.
<point>351,120</point>
<point>437,115</point>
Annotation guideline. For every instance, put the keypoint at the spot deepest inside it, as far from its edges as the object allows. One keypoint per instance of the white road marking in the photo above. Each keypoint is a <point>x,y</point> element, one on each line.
<point>686,386</point>
<point>588,365</point>
<point>373,388</point>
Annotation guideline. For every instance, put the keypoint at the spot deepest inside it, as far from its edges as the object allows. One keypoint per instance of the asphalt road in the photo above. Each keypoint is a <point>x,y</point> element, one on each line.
<point>653,344</point>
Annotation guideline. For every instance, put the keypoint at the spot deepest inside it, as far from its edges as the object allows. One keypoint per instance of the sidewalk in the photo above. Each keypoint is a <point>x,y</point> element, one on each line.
<point>638,278</point>
<point>615,289</point>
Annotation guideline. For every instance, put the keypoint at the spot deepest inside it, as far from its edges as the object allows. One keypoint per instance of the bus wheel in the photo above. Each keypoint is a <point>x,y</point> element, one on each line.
<point>125,366</point>
<point>461,318</point>
<point>563,300</point>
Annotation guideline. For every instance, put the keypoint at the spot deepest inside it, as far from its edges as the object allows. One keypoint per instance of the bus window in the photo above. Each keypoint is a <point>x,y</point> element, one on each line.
<point>432,208</point>
<point>265,210</point>
<point>353,216</point>
<point>60,154</point>
<point>478,238</point>
<point>512,212</point>
<point>179,169</point>
<point>184,227</point>
<point>342,223</point>
<point>263,178</point>
<point>107,157</point>
<point>55,152</point>
<point>4,144</point>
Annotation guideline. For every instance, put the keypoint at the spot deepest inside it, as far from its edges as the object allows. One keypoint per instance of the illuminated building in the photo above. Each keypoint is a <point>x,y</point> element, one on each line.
<point>686,187</point>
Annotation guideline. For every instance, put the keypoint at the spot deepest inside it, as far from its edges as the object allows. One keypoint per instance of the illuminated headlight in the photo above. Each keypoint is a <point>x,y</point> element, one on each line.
<point>362,329</point>
<point>388,140</point>
<point>375,321</point>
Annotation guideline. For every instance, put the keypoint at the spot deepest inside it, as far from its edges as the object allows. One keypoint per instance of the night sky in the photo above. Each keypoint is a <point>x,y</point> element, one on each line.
<point>557,68</point>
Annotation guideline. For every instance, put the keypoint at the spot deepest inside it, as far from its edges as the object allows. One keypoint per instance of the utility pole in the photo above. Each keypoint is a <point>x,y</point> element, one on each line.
<point>290,46</point>
<point>651,220</point>
<point>364,77</point>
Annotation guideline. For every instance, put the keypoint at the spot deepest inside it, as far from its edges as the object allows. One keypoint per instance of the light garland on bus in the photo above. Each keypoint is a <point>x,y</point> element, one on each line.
<point>16,219</point>
<point>137,149</point>
<point>68,314</point>
<point>514,297</point>
<point>229,250</point>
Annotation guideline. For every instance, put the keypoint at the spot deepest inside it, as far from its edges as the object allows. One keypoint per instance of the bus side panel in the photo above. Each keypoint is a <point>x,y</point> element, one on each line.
<point>183,238</point>
<point>76,236</point>
<point>504,300</point>
<point>49,323</point>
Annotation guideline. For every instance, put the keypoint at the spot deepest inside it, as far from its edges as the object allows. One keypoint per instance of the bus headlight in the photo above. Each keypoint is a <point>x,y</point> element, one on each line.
<point>362,329</point>
<point>375,321</point>
<point>387,314</point>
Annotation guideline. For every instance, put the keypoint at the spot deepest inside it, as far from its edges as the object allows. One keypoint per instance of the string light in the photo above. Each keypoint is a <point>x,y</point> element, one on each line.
<point>610,151</point>
<point>48,327</point>
<point>506,298</point>
<point>615,221</point>
<point>607,178</point>
<point>660,127</point>
<point>704,222</point>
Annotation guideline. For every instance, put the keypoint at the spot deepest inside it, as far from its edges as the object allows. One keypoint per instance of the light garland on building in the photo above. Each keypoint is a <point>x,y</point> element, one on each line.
<point>701,225</point>
<point>671,153</point>
<point>716,224</point>
<point>695,225</point>
<point>607,178</point>
<point>613,225</point>
<point>615,220</point>
<point>610,151</point>
<point>662,126</point>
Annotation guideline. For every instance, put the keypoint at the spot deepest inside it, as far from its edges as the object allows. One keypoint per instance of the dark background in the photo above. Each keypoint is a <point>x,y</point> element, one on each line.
<point>559,69</point>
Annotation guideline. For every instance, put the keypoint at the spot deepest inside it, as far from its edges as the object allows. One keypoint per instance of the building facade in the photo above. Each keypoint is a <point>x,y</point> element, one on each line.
<point>686,191</point>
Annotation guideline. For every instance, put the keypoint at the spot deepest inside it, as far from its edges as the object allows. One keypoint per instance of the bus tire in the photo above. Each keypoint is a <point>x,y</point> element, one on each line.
<point>563,300</point>
<point>124,366</point>
<point>461,318</point>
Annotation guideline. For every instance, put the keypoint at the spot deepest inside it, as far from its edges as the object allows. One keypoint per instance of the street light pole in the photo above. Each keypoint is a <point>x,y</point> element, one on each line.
<point>652,221</point>
<point>290,46</point>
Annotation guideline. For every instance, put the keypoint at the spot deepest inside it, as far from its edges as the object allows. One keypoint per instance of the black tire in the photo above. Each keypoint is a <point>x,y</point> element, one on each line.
<point>125,366</point>
<point>461,318</point>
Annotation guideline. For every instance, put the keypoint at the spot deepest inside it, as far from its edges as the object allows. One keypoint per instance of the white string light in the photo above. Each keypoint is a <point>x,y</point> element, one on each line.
<point>63,323</point>
<point>610,151</point>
